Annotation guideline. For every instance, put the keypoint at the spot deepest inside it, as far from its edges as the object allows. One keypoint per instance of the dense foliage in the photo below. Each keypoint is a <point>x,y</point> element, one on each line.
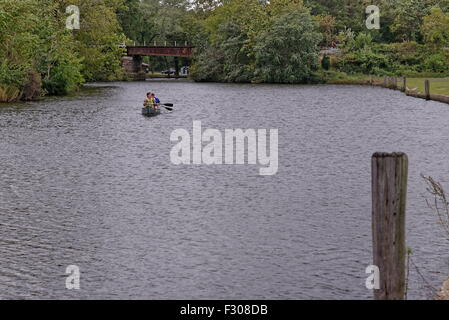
<point>412,39</point>
<point>236,40</point>
<point>39,55</point>
<point>248,41</point>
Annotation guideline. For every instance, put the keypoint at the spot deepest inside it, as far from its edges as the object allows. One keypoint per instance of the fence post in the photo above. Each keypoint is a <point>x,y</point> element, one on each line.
<point>389,189</point>
<point>427,89</point>
<point>404,84</point>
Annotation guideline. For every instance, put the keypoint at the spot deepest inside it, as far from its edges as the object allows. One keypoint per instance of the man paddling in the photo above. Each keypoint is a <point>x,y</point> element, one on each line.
<point>155,100</point>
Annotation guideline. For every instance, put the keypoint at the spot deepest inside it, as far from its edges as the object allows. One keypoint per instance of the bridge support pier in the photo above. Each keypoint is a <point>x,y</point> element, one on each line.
<point>176,67</point>
<point>139,73</point>
<point>132,65</point>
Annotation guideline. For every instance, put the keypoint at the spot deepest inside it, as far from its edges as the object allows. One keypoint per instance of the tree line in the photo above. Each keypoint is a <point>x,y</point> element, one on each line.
<point>39,55</point>
<point>275,41</point>
<point>280,41</point>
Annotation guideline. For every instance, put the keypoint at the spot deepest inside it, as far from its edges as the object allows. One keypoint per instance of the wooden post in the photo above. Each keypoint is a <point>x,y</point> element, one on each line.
<point>389,189</point>
<point>427,89</point>
<point>404,84</point>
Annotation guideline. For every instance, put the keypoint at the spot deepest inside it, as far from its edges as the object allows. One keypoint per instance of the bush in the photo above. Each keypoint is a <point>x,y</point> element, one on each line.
<point>326,62</point>
<point>32,87</point>
<point>365,61</point>
<point>436,63</point>
<point>63,78</point>
<point>8,93</point>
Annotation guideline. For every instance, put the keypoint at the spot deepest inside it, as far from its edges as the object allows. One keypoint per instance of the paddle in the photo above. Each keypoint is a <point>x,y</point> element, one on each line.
<point>168,106</point>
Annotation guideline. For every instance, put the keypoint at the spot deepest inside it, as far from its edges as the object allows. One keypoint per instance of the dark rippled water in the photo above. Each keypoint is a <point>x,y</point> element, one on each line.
<point>87,180</point>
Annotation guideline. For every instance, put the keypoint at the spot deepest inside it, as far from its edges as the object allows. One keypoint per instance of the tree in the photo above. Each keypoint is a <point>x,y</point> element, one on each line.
<point>435,29</point>
<point>137,20</point>
<point>99,38</point>
<point>327,25</point>
<point>36,50</point>
<point>288,51</point>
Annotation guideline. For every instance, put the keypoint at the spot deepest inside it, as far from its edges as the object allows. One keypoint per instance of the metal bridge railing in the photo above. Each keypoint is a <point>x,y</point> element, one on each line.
<point>159,43</point>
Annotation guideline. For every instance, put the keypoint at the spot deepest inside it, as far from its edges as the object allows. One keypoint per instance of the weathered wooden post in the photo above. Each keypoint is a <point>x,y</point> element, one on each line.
<point>427,89</point>
<point>389,189</point>
<point>404,84</point>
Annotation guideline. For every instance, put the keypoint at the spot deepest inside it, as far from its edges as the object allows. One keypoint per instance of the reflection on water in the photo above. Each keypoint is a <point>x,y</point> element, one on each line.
<point>87,180</point>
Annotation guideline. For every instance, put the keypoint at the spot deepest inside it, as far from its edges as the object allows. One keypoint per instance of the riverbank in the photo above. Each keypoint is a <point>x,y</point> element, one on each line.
<point>436,89</point>
<point>415,87</point>
<point>444,292</point>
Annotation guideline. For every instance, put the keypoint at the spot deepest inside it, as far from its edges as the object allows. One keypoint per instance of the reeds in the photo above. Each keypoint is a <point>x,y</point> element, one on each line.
<point>9,93</point>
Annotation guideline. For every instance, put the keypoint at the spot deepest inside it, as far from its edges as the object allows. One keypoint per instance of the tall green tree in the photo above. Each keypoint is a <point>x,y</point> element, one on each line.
<point>287,52</point>
<point>435,29</point>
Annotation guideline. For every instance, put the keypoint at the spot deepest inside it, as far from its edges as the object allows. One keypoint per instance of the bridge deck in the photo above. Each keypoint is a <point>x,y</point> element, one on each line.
<point>181,51</point>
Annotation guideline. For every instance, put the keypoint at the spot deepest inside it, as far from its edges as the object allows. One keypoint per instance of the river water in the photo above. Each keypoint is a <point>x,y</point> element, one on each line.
<point>87,181</point>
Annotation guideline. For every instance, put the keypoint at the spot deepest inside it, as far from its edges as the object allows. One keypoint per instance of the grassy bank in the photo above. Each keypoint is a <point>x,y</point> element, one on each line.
<point>9,93</point>
<point>436,87</point>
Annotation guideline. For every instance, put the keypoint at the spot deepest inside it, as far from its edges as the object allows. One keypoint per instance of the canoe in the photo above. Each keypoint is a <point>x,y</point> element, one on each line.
<point>150,112</point>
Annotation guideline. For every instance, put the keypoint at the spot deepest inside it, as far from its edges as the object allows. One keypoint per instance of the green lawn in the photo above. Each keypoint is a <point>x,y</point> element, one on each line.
<point>435,87</point>
<point>335,77</point>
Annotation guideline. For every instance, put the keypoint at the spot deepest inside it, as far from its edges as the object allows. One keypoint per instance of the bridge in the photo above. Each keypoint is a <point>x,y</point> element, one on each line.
<point>132,63</point>
<point>172,51</point>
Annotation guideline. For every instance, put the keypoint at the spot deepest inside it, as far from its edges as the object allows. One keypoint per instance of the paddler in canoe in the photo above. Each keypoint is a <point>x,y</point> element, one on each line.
<point>153,103</point>
<point>150,101</point>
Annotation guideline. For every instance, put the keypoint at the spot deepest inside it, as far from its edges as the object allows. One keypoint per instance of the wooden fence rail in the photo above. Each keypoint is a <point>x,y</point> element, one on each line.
<point>392,83</point>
